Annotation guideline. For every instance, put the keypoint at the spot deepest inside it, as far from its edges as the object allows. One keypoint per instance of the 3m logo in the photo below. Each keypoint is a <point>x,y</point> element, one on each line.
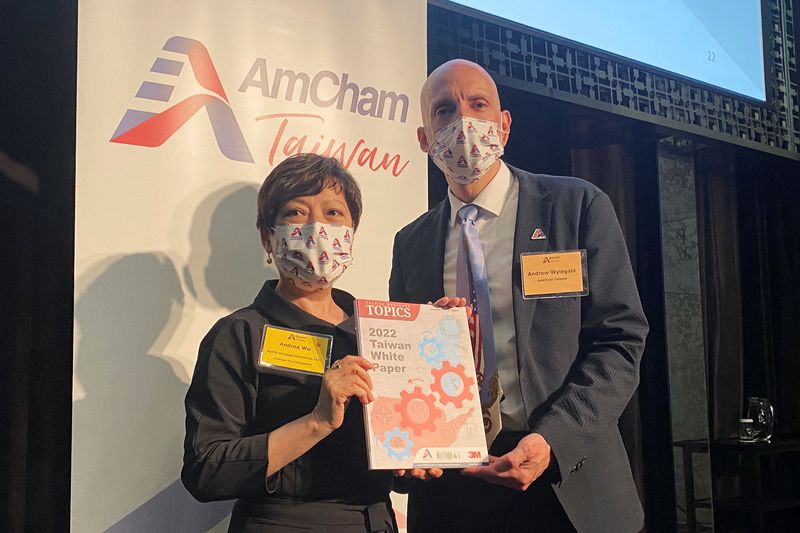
<point>474,454</point>
<point>144,128</point>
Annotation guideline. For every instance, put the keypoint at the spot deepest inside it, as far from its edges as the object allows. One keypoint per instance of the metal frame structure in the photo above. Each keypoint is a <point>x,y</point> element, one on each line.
<point>527,59</point>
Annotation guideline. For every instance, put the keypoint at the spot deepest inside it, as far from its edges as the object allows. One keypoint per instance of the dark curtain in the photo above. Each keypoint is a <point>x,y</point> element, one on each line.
<point>17,206</point>
<point>777,372</point>
<point>748,219</point>
<point>784,233</point>
<point>720,281</point>
<point>721,293</point>
<point>37,139</point>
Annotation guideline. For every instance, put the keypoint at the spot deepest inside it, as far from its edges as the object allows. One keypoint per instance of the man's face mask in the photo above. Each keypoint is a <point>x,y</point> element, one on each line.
<point>313,255</point>
<point>466,148</point>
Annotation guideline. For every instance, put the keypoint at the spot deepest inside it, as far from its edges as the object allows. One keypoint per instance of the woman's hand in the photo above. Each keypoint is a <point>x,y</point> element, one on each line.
<point>420,473</point>
<point>346,378</point>
<point>450,301</point>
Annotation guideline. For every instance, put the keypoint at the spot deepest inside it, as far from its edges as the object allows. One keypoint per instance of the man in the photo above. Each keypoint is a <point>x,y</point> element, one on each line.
<point>567,366</point>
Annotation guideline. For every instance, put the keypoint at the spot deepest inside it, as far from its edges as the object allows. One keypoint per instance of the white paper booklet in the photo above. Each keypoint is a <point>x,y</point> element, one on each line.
<point>427,408</point>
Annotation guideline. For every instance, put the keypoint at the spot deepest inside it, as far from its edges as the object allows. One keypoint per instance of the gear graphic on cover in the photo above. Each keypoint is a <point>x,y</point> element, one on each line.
<point>452,384</point>
<point>431,349</point>
<point>398,443</point>
<point>417,411</point>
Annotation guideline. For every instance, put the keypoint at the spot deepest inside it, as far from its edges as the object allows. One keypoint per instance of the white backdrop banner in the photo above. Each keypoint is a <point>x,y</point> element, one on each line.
<point>183,109</point>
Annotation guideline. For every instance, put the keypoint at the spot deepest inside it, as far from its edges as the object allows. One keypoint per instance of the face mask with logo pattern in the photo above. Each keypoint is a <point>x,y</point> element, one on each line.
<point>466,148</point>
<point>313,255</point>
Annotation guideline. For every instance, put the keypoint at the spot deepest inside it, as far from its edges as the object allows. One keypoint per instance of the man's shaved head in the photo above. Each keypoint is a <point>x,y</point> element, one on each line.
<point>454,71</point>
<point>455,89</point>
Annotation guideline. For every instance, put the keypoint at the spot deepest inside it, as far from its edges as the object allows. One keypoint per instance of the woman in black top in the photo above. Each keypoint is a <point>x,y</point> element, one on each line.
<point>290,447</point>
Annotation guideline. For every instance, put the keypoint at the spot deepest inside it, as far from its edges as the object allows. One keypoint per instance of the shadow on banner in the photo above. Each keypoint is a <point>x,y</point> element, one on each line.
<point>133,400</point>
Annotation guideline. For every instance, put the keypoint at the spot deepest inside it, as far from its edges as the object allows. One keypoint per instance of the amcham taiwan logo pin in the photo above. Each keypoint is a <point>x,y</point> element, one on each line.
<point>538,235</point>
<point>143,128</point>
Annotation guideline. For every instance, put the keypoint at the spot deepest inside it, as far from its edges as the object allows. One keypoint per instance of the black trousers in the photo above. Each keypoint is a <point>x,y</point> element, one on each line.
<point>457,503</point>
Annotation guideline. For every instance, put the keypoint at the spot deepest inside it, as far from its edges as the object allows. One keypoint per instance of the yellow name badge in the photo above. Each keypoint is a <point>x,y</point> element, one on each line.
<point>296,351</point>
<point>554,274</point>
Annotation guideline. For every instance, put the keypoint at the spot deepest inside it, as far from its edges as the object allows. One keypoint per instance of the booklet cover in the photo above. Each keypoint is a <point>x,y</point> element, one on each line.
<point>427,409</point>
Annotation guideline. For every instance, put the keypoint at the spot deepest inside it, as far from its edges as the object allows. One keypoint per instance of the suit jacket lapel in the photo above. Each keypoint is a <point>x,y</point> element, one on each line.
<point>534,210</point>
<point>430,261</point>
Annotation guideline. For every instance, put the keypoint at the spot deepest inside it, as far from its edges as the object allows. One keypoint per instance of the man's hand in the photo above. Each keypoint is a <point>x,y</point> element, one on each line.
<point>518,468</point>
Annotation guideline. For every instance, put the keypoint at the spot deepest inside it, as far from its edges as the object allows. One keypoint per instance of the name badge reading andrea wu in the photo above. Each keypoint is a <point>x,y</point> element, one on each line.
<point>290,350</point>
<point>554,274</point>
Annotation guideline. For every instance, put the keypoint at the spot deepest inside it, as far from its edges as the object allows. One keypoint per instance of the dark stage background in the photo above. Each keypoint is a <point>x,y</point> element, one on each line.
<point>37,130</point>
<point>748,215</point>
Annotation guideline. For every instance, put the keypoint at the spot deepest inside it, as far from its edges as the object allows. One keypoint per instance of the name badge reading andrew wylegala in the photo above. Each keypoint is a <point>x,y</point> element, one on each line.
<point>554,274</point>
<point>290,350</point>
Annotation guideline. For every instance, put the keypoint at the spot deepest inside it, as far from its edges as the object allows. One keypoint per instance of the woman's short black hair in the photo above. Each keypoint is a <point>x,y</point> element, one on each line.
<point>305,175</point>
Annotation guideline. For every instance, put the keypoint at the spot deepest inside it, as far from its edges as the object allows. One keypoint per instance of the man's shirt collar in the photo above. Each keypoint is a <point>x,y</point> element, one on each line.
<point>490,199</point>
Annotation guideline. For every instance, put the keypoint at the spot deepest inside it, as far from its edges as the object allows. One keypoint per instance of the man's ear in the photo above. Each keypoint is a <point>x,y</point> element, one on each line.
<point>505,125</point>
<point>423,139</point>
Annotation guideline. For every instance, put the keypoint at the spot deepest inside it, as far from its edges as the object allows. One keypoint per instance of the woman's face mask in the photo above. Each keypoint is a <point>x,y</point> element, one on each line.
<point>313,255</point>
<point>466,148</point>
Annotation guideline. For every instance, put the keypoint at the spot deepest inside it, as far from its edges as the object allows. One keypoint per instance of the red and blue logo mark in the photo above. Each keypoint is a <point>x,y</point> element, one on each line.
<point>142,128</point>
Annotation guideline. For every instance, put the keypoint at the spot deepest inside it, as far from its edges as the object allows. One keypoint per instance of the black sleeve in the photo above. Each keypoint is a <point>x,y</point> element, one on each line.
<point>221,459</point>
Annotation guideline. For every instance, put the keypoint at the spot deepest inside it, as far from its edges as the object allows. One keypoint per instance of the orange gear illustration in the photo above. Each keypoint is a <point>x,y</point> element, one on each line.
<point>414,416</point>
<point>448,369</point>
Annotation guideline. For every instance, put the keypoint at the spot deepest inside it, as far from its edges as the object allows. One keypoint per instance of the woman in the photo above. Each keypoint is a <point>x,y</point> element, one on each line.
<point>290,447</point>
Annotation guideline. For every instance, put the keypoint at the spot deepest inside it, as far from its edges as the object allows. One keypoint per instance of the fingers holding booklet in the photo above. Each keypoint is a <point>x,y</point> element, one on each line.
<point>420,473</point>
<point>448,302</point>
<point>347,377</point>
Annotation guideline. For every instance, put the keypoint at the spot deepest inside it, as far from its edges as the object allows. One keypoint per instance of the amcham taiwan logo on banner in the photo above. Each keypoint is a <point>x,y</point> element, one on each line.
<point>144,128</point>
<point>295,133</point>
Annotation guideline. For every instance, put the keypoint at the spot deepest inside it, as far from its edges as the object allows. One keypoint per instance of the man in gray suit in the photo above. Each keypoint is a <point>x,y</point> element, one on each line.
<point>567,366</point>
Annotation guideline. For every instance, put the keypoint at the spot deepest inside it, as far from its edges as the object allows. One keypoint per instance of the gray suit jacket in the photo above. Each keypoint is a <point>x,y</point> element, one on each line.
<point>578,357</point>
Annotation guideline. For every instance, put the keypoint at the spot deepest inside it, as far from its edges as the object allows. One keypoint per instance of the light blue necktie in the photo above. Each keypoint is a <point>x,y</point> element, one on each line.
<point>472,283</point>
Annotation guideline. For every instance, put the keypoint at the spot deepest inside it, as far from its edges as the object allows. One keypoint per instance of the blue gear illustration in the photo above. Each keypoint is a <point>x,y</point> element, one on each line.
<point>431,349</point>
<point>398,433</point>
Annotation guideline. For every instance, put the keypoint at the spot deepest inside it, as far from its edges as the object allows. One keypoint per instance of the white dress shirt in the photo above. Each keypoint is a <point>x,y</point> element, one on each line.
<point>497,215</point>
